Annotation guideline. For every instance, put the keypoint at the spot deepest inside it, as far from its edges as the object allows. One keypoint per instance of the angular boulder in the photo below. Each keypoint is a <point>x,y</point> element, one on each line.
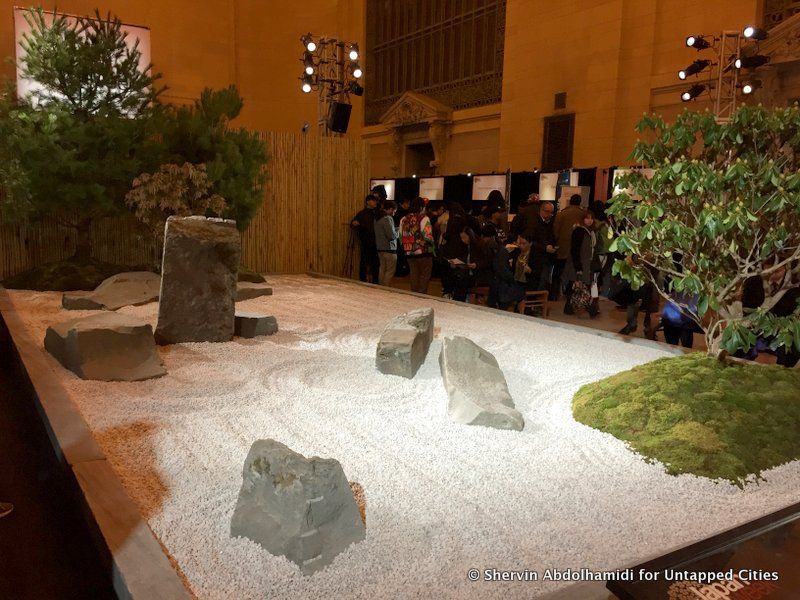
<point>248,291</point>
<point>404,343</point>
<point>107,346</point>
<point>476,387</point>
<point>296,507</point>
<point>122,289</point>
<point>250,325</point>
<point>198,280</point>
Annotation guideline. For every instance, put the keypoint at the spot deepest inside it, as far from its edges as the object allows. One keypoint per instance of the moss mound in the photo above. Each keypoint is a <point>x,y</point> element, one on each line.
<point>249,275</point>
<point>698,415</point>
<point>66,275</point>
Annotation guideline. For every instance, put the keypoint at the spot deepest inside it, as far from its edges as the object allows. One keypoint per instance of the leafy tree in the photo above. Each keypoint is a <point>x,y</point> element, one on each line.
<point>87,129</point>
<point>722,207</point>
<point>234,158</point>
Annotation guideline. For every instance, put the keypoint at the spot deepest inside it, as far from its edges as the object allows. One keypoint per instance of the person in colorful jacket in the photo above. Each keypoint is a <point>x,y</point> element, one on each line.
<point>416,235</point>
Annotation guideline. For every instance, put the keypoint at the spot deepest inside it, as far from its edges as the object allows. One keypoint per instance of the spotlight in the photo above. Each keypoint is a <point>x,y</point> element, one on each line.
<point>751,62</point>
<point>308,61</point>
<point>308,42</point>
<point>698,42</point>
<point>469,174</point>
<point>357,72</point>
<point>754,33</point>
<point>693,92</point>
<point>357,89</point>
<point>353,52</point>
<point>694,68</point>
<point>307,82</point>
<point>750,86</point>
<point>414,176</point>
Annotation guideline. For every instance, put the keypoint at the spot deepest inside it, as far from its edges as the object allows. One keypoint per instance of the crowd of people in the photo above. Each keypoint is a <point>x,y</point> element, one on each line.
<point>565,254</point>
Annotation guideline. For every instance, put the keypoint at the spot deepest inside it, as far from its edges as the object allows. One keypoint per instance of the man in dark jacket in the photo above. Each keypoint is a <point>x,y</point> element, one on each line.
<point>543,246</point>
<point>364,226</point>
<point>563,225</point>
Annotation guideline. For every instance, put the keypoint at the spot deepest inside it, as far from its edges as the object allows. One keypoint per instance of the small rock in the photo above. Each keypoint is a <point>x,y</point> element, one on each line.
<point>106,346</point>
<point>198,283</point>
<point>296,507</point>
<point>404,343</point>
<point>248,291</point>
<point>249,325</point>
<point>123,289</point>
<point>476,387</point>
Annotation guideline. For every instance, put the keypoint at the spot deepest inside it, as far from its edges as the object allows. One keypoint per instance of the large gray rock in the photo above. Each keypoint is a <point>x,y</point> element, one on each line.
<point>296,507</point>
<point>476,387</point>
<point>250,325</point>
<point>198,280</point>
<point>404,343</point>
<point>122,289</point>
<point>106,346</point>
<point>248,291</point>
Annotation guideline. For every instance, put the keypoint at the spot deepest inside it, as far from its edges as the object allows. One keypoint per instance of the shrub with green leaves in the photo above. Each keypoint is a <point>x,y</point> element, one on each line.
<point>723,206</point>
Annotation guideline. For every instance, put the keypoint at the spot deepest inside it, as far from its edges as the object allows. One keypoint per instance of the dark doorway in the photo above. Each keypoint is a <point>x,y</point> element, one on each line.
<point>418,160</point>
<point>559,132</point>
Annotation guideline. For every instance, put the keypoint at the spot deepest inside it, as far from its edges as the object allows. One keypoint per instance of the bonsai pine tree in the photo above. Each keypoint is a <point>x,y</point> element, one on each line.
<point>723,206</point>
<point>86,129</point>
<point>234,158</point>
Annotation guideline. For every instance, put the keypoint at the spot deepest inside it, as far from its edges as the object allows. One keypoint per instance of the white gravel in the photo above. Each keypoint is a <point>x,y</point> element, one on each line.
<point>441,498</point>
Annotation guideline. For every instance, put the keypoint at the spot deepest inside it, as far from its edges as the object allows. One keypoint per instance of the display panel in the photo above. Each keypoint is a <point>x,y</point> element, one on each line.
<point>388,185</point>
<point>567,192</point>
<point>432,188</point>
<point>21,27</point>
<point>482,186</point>
<point>548,182</point>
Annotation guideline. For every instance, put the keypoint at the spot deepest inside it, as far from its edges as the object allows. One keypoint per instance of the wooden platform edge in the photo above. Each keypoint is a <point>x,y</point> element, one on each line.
<point>140,568</point>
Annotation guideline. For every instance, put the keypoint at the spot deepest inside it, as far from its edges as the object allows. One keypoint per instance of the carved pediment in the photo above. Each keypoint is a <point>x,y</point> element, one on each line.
<point>413,108</point>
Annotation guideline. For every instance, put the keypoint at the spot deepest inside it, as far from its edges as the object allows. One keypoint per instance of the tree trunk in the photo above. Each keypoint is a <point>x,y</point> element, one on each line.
<point>714,341</point>
<point>83,240</point>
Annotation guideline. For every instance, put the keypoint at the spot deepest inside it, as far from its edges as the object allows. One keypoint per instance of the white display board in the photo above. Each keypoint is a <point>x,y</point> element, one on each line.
<point>432,188</point>
<point>548,182</point>
<point>616,189</point>
<point>21,27</point>
<point>567,191</point>
<point>482,186</point>
<point>388,185</point>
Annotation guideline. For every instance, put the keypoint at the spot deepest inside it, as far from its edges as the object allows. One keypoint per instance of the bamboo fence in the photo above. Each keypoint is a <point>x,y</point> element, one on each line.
<point>316,184</point>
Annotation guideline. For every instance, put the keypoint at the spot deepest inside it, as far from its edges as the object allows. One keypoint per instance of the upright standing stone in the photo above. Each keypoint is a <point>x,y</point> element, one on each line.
<point>476,387</point>
<point>198,280</point>
<point>404,343</point>
<point>298,507</point>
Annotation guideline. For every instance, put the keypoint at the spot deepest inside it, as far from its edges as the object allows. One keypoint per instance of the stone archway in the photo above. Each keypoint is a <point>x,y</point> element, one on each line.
<point>414,118</point>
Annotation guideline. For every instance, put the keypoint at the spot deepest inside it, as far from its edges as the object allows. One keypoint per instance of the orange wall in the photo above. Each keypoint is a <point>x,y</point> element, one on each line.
<point>607,55</point>
<point>213,43</point>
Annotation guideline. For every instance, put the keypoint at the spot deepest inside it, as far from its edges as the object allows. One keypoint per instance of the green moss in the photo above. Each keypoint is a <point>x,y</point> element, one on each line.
<point>698,415</point>
<point>66,275</point>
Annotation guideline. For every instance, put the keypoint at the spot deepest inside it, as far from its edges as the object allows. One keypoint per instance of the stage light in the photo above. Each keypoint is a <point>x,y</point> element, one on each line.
<point>308,61</point>
<point>357,72</point>
<point>307,82</point>
<point>469,174</point>
<point>694,68</point>
<point>353,52</point>
<point>698,42</point>
<point>356,89</point>
<point>308,42</point>
<point>750,86</point>
<point>751,62</point>
<point>693,92</point>
<point>754,33</point>
<point>414,176</point>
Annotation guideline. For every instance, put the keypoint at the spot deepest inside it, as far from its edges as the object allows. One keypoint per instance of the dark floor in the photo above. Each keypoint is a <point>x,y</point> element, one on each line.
<point>46,551</point>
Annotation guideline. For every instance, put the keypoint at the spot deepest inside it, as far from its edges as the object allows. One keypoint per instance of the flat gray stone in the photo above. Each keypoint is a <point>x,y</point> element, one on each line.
<point>198,280</point>
<point>106,346</point>
<point>296,507</point>
<point>250,325</point>
<point>476,387</point>
<point>248,291</point>
<point>404,343</point>
<point>123,289</point>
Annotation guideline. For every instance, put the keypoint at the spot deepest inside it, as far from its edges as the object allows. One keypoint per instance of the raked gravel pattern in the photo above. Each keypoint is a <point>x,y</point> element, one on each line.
<point>442,498</point>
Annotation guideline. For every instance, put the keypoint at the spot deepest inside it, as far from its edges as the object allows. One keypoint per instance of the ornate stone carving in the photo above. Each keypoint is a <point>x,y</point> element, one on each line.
<point>440,133</point>
<point>396,147</point>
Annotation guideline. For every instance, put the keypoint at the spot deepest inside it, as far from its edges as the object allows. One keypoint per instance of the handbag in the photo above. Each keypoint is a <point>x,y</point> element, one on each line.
<point>581,297</point>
